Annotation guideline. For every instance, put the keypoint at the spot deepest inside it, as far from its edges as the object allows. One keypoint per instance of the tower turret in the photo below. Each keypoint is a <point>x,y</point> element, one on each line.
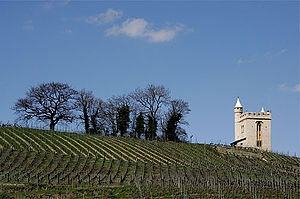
<point>238,110</point>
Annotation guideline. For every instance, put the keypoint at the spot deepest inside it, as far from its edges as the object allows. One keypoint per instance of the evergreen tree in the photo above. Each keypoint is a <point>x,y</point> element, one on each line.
<point>151,128</point>
<point>172,124</point>
<point>173,119</point>
<point>123,119</point>
<point>140,125</point>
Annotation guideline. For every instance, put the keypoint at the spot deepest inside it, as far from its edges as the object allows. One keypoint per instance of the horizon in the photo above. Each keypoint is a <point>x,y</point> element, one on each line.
<point>206,53</point>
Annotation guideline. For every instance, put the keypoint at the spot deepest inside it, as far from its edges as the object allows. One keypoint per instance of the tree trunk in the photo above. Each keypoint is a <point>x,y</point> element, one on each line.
<point>94,124</point>
<point>86,121</point>
<point>52,125</point>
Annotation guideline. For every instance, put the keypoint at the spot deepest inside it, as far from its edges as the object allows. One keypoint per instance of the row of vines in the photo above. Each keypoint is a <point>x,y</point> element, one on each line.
<point>154,169</point>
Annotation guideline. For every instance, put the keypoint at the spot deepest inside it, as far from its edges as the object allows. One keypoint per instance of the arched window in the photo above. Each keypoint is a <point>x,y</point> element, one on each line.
<point>258,134</point>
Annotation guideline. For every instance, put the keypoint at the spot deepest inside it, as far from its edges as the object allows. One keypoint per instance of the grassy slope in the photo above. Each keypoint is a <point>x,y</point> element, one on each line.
<point>54,159</point>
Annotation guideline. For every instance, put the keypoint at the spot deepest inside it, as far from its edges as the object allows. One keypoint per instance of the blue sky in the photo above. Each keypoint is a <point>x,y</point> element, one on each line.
<point>206,53</point>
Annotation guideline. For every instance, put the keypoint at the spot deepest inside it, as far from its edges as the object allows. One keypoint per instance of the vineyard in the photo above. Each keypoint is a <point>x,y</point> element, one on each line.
<point>43,164</point>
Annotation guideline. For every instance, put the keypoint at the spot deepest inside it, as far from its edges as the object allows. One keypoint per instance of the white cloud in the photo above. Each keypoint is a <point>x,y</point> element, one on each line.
<point>28,26</point>
<point>296,88</point>
<point>283,87</point>
<point>55,3</point>
<point>103,18</point>
<point>164,34</point>
<point>48,5</point>
<point>65,2</point>
<point>269,56</point>
<point>130,27</point>
<point>139,27</point>
<point>284,50</point>
<point>67,32</point>
<point>241,61</point>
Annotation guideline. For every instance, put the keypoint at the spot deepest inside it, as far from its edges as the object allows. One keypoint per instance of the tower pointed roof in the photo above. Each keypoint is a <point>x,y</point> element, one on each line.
<point>238,103</point>
<point>262,109</point>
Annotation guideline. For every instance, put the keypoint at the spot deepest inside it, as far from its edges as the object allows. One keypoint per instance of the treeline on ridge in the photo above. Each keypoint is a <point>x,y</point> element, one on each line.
<point>146,113</point>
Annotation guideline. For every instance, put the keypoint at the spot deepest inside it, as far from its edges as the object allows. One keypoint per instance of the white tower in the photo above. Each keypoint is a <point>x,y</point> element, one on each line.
<point>252,129</point>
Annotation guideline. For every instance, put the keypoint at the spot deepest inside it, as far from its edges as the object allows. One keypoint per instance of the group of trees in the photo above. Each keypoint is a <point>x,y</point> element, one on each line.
<point>147,113</point>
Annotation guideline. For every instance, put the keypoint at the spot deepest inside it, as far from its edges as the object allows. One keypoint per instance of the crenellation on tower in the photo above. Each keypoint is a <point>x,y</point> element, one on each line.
<point>252,129</point>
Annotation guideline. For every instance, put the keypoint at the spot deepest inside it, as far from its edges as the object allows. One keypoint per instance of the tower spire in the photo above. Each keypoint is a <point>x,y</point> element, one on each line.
<point>262,109</point>
<point>238,103</point>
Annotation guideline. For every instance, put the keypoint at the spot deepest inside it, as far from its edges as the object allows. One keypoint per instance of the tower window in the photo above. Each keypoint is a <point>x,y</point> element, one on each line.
<point>242,128</point>
<point>258,134</point>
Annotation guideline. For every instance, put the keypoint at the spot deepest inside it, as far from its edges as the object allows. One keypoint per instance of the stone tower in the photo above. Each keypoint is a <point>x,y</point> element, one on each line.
<point>252,129</point>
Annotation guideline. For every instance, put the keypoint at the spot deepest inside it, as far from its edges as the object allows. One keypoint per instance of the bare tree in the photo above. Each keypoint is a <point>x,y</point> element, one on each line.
<point>48,102</point>
<point>96,116</point>
<point>152,98</point>
<point>109,116</point>
<point>180,107</point>
<point>121,100</point>
<point>84,102</point>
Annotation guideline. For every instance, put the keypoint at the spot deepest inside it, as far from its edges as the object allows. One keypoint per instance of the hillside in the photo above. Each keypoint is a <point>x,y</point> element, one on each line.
<point>136,168</point>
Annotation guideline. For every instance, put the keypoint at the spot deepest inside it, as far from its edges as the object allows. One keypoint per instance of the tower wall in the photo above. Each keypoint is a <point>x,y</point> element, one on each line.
<point>237,113</point>
<point>266,138</point>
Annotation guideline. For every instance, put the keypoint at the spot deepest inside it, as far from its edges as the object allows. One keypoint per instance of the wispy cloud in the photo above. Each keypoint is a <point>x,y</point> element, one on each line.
<point>48,5</point>
<point>269,55</point>
<point>28,26</point>
<point>284,50</point>
<point>130,27</point>
<point>133,27</point>
<point>103,18</point>
<point>241,61</point>
<point>263,56</point>
<point>165,34</point>
<point>67,32</point>
<point>296,88</point>
<point>140,28</point>
<point>284,87</point>
<point>65,2</point>
<point>53,3</point>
